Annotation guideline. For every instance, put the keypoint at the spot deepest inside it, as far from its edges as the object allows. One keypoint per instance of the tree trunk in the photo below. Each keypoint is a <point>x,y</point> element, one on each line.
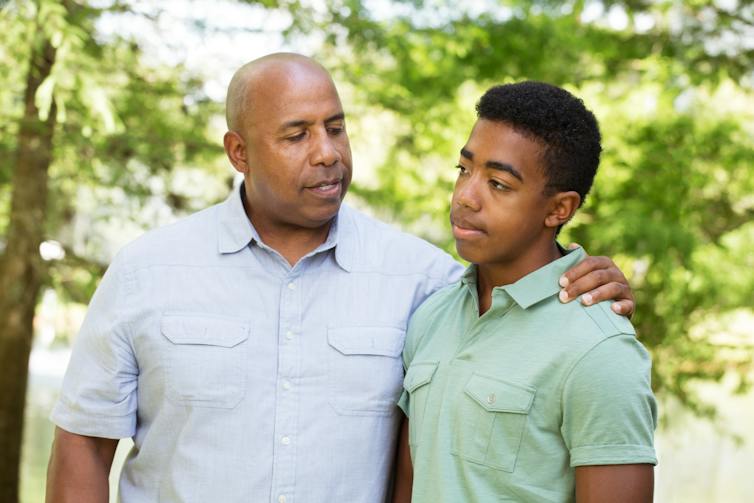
<point>22,272</point>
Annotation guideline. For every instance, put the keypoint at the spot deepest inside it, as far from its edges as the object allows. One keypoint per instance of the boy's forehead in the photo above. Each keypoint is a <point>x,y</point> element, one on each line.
<point>493,141</point>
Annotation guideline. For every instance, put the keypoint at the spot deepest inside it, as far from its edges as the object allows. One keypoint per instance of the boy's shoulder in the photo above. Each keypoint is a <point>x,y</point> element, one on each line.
<point>432,313</point>
<point>607,321</point>
<point>586,324</point>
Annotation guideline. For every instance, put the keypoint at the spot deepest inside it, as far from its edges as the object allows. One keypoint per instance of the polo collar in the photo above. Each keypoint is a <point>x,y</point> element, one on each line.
<point>543,283</point>
<point>235,231</point>
<point>535,286</point>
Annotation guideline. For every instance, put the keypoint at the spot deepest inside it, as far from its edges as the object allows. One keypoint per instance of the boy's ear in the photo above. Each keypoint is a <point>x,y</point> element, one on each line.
<point>562,207</point>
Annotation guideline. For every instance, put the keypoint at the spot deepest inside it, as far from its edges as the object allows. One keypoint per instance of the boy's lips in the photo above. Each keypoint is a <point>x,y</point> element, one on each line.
<point>463,229</point>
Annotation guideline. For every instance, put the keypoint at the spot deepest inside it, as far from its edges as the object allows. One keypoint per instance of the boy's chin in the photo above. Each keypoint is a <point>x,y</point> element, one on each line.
<point>468,253</point>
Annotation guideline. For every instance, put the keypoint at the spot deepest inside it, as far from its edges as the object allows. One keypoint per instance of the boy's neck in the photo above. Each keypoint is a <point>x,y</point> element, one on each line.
<point>490,276</point>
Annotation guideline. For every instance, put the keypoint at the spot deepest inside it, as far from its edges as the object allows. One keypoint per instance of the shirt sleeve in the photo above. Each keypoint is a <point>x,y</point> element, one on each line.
<point>609,411</point>
<point>98,396</point>
<point>409,349</point>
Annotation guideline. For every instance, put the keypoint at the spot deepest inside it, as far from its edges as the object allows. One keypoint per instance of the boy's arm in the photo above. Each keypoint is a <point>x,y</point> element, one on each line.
<point>598,279</point>
<point>614,483</point>
<point>404,472</point>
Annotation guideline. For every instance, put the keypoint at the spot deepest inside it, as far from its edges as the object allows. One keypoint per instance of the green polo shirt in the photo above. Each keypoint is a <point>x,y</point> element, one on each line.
<point>504,406</point>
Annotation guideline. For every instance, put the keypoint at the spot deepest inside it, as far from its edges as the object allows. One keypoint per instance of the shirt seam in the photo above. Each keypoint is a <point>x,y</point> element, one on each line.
<point>575,364</point>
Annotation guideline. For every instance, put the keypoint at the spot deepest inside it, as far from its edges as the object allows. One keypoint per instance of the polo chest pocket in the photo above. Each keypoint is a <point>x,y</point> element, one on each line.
<point>416,383</point>
<point>491,420</point>
<point>365,370</point>
<point>205,360</point>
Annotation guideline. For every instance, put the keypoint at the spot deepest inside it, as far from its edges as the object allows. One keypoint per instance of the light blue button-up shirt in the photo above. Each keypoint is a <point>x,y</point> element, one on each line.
<point>241,378</point>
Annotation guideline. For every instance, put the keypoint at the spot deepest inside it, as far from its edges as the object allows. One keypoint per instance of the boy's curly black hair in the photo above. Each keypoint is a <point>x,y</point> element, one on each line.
<point>555,119</point>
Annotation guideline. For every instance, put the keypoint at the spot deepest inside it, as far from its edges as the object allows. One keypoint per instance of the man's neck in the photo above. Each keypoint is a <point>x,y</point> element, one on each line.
<point>291,241</point>
<point>490,276</point>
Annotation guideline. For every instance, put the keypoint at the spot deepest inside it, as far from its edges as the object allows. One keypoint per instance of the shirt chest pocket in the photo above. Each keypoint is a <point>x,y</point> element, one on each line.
<point>416,384</point>
<point>491,420</point>
<point>365,370</point>
<point>204,360</point>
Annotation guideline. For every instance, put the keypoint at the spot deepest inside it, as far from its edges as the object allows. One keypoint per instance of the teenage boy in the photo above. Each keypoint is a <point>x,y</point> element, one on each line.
<point>511,395</point>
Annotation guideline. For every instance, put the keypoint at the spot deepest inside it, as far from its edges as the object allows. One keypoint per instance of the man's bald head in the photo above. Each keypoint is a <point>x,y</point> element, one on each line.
<point>267,70</point>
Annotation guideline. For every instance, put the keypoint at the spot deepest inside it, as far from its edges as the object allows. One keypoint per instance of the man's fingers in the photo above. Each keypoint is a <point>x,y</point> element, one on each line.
<point>585,267</point>
<point>609,291</point>
<point>624,307</point>
<point>591,281</point>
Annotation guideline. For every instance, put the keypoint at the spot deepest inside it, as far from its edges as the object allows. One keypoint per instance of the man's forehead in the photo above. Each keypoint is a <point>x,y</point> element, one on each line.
<point>295,97</point>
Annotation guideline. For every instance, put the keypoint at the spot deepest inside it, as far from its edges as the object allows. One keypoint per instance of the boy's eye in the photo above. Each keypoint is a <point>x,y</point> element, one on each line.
<point>498,186</point>
<point>461,170</point>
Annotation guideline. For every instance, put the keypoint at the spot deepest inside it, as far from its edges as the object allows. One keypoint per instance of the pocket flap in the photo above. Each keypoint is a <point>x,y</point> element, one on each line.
<point>384,341</point>
<point>203,330</point>
<point>419,374</point>
<point>500,396</point>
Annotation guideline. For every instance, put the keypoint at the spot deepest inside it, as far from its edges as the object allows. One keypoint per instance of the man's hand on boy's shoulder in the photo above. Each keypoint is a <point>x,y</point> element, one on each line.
<point>596,279</point>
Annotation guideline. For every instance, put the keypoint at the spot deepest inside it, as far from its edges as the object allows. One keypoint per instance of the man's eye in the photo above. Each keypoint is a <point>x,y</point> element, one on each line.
<point>297,137</point>
<point>335,130</point>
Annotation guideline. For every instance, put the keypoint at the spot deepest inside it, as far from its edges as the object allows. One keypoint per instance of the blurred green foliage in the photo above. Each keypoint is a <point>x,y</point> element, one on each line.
<point>122,128</point>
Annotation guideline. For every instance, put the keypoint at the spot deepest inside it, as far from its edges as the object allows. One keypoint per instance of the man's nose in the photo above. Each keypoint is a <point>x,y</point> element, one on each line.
<point>325,151</point>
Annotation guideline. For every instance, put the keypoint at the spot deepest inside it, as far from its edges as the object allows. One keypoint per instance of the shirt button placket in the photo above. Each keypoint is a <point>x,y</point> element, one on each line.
<point>284,463</point>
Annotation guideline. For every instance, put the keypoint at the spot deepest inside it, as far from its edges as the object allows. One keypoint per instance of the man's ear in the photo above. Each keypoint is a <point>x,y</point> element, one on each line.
<point>235,149</point>
<point>562,207</point>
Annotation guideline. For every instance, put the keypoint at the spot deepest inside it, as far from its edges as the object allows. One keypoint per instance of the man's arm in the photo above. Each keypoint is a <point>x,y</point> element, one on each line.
<point>79,468</point>
<point>598,279</point>
<point>614,483</point>
<point>404,472</point>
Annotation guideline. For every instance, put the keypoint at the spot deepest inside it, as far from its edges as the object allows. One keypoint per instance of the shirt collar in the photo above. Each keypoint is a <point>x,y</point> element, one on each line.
<point>235,231</point>
<point>535,286</point>
<point>542,283</point>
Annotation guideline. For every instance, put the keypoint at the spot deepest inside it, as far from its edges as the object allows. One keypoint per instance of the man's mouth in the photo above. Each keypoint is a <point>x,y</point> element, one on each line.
<point>327,188</point>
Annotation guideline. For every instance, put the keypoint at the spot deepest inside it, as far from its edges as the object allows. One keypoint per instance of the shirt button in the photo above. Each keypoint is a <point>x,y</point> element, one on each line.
<point>289,335</point>
<point>285,440</point>
<point>281,499</point>
<point>291,286</point>
<point>286,385</point>
<point>491,398</point>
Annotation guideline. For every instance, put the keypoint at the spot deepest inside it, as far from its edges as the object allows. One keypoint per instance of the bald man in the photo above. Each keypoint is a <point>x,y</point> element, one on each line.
<point>252,350</point>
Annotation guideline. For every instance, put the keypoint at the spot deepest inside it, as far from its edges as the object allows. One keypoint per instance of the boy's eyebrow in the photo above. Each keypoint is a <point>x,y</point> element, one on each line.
<point>304,123</point>
<point>500,166</point>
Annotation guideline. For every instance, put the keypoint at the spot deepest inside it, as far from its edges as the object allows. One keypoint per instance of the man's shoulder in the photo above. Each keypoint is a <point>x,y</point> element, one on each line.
<point>384,247</point>
<point>188,238</point>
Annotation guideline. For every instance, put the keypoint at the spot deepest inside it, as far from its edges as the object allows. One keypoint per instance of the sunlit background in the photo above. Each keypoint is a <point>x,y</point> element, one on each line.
<point>135,100</point>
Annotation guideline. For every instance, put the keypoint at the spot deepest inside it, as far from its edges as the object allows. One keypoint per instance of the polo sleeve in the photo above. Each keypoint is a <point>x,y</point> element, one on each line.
<point>609,411</point>
<point>409,349</point>
<point>98,396</point>
<point>446,270</point>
